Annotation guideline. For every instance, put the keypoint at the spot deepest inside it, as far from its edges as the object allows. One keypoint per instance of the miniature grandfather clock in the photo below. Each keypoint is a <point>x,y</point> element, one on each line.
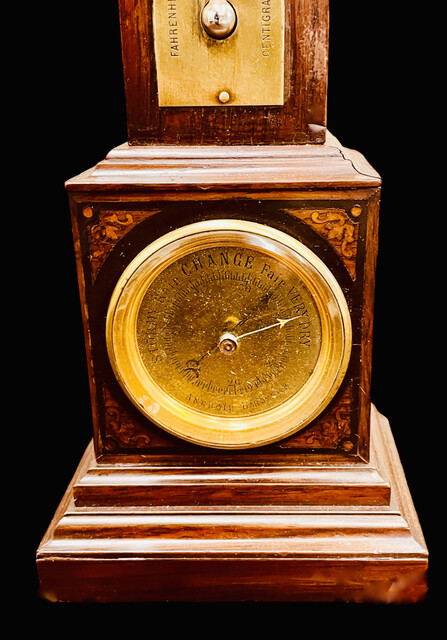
<point>226,258</point>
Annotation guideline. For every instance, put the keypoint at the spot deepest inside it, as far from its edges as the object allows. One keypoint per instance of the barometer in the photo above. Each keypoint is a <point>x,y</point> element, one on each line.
<point>226,258</point>
<point>229,333</point>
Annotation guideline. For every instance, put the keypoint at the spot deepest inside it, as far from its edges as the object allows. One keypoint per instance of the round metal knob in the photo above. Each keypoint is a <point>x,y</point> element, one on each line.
<point>218,18</point>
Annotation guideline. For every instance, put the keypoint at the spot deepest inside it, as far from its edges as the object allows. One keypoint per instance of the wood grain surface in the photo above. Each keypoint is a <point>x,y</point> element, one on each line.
<point>302,118</point>
<point>209,551</point>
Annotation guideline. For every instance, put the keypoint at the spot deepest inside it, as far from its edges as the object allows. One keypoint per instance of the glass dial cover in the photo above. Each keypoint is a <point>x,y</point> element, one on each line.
<point>228,333</point>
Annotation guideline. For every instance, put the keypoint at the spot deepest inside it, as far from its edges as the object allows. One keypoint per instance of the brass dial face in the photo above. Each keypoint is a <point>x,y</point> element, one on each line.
<point>228,333</point>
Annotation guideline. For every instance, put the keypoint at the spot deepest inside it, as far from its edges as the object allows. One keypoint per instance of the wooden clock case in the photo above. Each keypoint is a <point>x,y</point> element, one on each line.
<point>326,513</point>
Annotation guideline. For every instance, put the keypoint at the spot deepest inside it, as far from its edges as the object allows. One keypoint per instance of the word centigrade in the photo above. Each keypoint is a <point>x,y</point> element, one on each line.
<point>266,28</point>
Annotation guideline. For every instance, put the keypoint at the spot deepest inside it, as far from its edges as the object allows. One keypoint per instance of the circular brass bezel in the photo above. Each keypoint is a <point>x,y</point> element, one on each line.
<point>223,431</point>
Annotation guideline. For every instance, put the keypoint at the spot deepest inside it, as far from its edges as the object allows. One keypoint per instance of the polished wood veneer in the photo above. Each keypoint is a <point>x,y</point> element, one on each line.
<point>228,168</point>
<point>302,118</point>
<point>101,547</point>
<point>327,196</point>
<point>322,515</point>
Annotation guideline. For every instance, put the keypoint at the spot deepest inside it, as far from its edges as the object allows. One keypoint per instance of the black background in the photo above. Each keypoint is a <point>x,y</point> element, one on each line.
<point>66,98</point>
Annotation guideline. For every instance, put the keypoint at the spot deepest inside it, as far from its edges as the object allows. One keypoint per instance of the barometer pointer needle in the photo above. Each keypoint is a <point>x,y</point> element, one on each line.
<point>279,323</point>
<point>194,364</point>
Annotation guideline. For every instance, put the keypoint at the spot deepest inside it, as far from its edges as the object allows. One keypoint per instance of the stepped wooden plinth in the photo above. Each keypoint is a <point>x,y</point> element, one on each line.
<point>178,532</point>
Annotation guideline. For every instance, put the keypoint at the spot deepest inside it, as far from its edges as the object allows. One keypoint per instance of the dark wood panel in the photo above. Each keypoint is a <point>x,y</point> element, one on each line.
<point>111,230</point>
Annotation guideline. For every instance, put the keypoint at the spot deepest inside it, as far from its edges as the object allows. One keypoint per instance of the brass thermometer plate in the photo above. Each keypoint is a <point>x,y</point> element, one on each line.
<point>195,69</point>
<point>228,333</point>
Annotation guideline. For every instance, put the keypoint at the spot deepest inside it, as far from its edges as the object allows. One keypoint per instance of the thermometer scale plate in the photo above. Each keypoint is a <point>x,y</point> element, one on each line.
<point>196,69</point>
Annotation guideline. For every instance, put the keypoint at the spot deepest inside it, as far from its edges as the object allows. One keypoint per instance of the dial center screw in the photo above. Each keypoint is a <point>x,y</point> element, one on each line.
<point>228,344</point>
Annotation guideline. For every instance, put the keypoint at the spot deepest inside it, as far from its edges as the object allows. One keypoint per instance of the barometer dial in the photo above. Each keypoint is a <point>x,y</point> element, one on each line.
<point>228,333</point>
